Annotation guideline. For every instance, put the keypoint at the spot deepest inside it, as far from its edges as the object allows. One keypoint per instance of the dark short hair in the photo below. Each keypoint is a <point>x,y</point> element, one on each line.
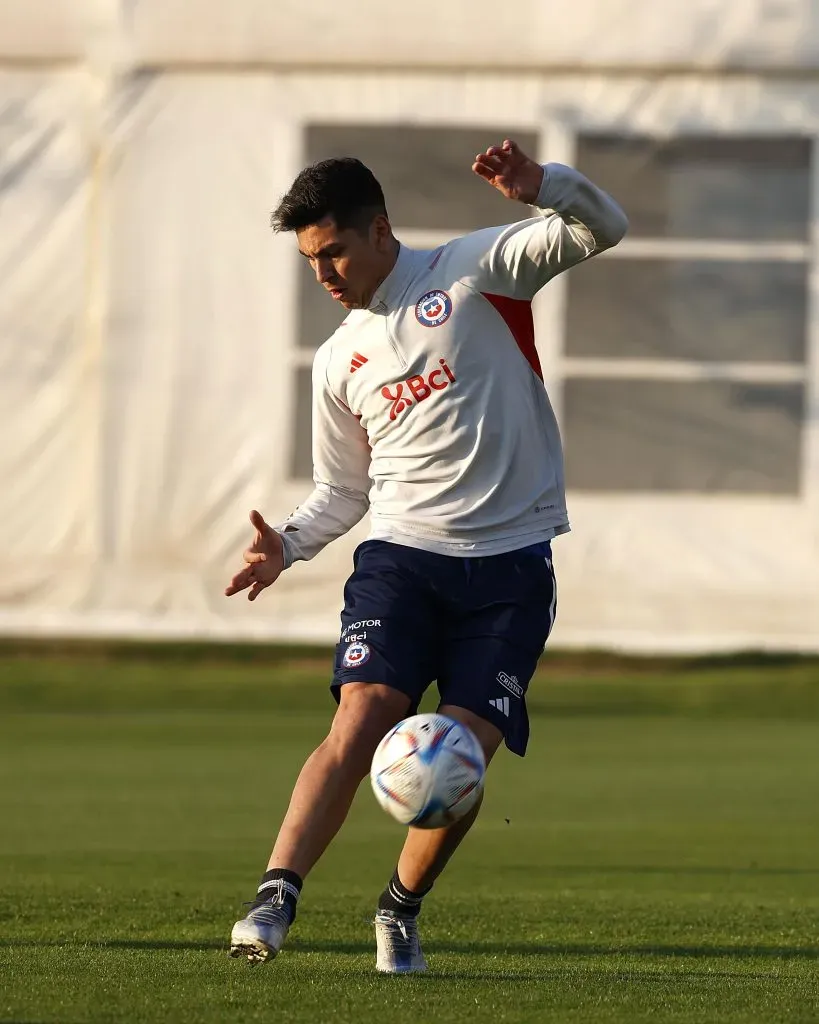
<point>342,188</point>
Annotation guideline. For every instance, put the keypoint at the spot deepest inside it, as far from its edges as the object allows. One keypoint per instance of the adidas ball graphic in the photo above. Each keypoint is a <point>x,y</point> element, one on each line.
<point>428,771</point>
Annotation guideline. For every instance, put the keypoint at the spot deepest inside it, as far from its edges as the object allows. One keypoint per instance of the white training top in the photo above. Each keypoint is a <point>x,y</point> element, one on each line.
<point>429,407</point>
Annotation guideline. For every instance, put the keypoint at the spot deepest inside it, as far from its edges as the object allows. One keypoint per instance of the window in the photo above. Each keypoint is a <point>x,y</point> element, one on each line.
<point>431,196</point>
<point>706,436</point>
<point>699,309</point>
<point>685,346</point>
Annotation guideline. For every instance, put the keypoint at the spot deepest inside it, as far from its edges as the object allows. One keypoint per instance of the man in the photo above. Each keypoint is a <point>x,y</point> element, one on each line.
<point>430,411</point>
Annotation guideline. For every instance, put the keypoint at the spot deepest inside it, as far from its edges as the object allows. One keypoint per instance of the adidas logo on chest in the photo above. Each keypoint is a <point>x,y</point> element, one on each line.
<point>357,361</point>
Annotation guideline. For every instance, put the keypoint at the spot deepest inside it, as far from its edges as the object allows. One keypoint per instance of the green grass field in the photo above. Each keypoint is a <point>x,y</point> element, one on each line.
<point>654,858</point>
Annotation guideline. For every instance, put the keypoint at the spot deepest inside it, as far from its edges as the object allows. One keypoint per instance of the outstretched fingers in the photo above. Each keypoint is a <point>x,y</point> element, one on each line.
<point>241,581</point>
<point>261,566</point>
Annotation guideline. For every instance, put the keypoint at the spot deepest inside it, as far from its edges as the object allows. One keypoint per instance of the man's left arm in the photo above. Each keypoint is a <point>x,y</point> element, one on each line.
<point>578,221</point>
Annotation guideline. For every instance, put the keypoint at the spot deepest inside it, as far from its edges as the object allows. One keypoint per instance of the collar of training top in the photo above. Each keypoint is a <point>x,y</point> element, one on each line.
<point>395,283</point>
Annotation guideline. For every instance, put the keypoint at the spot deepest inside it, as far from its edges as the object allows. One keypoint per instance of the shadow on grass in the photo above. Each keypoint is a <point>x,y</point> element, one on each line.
<point>652,869</point>
<point>578,949</point>
<point>557,974</point>
<point>73,943</point>
<point>472,948</point>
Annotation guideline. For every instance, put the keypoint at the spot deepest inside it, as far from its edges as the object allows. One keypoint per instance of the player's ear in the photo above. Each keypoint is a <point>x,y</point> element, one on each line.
<point>381,233</point>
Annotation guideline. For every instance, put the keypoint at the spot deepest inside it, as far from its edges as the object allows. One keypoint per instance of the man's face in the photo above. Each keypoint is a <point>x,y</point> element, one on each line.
<point>349,264</point>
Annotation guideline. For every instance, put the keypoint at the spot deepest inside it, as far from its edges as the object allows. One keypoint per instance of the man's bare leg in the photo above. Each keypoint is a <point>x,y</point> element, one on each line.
<point>427,851</point>
<point>332,774</point>
<point>423,858</point>
<point>320,802</point>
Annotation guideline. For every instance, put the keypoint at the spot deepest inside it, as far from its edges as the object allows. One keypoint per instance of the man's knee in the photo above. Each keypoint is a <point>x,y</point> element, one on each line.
<point>365,713</point>
<point>489,736</point>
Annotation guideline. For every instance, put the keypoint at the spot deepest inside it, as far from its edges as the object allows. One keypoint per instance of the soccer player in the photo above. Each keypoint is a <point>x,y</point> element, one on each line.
<point>429,410</point>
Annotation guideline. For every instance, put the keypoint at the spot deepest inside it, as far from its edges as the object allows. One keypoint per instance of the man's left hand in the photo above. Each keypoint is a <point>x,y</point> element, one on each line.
<point>508,169</point>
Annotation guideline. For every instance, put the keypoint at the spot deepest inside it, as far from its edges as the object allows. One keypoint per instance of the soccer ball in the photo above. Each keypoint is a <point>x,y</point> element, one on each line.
<point>428,771</point>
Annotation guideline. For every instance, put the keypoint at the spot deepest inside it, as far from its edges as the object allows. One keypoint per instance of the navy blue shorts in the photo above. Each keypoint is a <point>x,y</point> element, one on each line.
<point>476,625</point>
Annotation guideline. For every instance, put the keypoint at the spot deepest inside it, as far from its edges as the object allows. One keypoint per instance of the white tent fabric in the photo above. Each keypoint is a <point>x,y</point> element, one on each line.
<point>542,34</point>
<point>52,30</point>
<point>49,383</point>
<point>149,341</point>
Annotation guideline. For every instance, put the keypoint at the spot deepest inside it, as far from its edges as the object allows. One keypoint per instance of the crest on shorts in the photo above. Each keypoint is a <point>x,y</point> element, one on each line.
<point>433,309</point>
<point>355,655</point>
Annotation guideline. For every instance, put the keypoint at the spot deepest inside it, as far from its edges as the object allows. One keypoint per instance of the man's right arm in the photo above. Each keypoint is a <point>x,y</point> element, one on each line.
<point>341,462</point>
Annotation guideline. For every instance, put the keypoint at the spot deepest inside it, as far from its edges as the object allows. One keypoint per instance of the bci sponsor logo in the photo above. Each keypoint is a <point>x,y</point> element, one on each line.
<point>417,388</point>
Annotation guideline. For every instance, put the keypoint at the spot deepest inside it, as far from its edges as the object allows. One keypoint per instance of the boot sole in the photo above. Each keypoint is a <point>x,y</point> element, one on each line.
<point>254,949</point>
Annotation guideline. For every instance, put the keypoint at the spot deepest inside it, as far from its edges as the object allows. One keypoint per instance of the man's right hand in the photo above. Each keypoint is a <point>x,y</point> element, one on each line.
<point>264,558</point>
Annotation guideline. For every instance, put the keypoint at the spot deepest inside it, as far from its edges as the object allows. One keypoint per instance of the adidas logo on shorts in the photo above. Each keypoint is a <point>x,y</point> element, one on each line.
<point>501,704</point>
